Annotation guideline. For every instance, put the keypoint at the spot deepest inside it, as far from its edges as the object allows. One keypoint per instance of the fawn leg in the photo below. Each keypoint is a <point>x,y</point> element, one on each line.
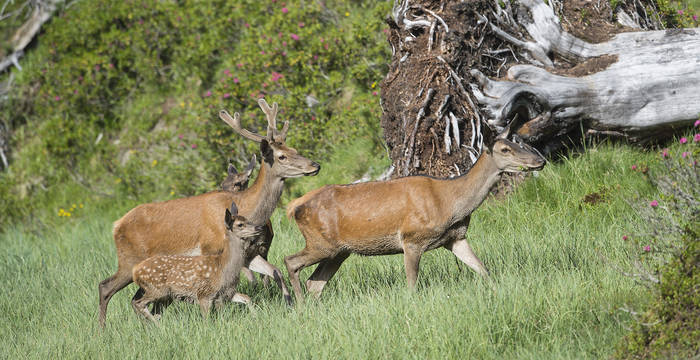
<point>140,303</point>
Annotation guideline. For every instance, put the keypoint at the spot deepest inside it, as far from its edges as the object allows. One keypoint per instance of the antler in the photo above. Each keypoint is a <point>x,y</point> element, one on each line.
<point>272,133</point>
<point>271,113</point>
<point>235,123</point>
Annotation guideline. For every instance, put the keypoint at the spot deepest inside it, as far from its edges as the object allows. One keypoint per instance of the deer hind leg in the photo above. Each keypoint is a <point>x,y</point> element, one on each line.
<point>464,252</point>
<point>411,261</point>
<point>296,262</point>
<point>140,303</point>
<point>324,272</point>
<point>110,286</point>
<point>260,265</point>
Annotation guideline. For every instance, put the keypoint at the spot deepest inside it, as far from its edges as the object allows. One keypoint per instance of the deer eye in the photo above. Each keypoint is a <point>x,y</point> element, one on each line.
<point>240,225</point>
<point>282,157</point>
<point>505,150</point>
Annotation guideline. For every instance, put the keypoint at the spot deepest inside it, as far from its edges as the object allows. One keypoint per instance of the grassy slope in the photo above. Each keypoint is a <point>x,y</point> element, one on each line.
<point>550,295</point>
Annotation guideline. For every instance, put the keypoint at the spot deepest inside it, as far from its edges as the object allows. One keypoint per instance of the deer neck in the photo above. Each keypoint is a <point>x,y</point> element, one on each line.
<point>231,261</point>
<point>470,190</point>
<point>267,190</point>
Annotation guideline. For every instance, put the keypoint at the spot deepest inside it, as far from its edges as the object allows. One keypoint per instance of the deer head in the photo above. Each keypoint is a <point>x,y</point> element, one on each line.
<point>515,156</point>
<point>237,227</point>
<point>283,160</point>
<point>236,181</point>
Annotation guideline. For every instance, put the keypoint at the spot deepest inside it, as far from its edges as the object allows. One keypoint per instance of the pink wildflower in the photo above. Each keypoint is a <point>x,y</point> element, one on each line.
<point>683,140</point>
<point>279,34</point>
<point>294,36</point>
<point>239,65</point>
<point>208,93</point>
<point>227,95</point>
<point>284,43</point>
<point>285,10</point>
<point>624,237</point>
<point>685,154</point>
<point>301,24</point>
<point>313,118</point>
<point>654,203</point>
<point>262,52</point>
<point>374,93</point>
<point>264,84</point>
<point>697,123</point>
<point>276,76</point>
<point>180,136</point>
<point>97,67</point>
<point>696,138</point>
<point>315,57</point>
<point>235,80</point>
<point>634,167</point>
<point>284,53</point>
<point>75,91</point>
<point>246,25</point>
<point>194,146</point>
<point>647,248</point>
<point>695,18</point>
<point>680,12</point>
<point>227,71</point>
<point>57,98</point>
<point>664,153</point>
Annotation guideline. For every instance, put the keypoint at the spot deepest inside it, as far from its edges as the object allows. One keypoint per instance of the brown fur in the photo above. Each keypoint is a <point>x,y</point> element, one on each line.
<point>203,278</point>
<point>407,215</point>
<point>193,226</point>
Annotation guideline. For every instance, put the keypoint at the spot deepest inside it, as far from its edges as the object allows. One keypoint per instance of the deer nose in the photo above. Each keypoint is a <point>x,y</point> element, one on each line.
<point>316,165</point>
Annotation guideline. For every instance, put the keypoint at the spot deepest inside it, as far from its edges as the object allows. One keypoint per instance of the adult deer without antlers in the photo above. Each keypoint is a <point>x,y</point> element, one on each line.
<point>193,226</point>
<point>236,181</point>
<point>408,215</point>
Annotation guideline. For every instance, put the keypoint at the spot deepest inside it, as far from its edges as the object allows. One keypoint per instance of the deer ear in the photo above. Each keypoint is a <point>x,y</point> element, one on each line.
<point>504,134</point>
<point>234,209</point>
<point>232,169</point>
<point>267,152</point>
<point>227,219</point>
<point>251,165</point>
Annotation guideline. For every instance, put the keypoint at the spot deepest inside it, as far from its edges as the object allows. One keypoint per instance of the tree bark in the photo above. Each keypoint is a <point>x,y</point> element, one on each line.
<point>445,93</point>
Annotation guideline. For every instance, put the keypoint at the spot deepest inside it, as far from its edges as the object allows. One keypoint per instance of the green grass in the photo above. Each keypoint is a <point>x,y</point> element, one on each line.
<point>552,294</point>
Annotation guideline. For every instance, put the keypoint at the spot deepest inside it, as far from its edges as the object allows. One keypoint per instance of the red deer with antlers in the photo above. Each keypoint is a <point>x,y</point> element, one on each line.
<point>409,215</point>
<point>193,226</point>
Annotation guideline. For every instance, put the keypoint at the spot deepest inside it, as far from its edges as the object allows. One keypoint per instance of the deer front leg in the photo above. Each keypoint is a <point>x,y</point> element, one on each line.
<point>260,265</point>
<point>464,252</point>
<point>411,261</point>
<point>250,276</point>
<point>205,307</point>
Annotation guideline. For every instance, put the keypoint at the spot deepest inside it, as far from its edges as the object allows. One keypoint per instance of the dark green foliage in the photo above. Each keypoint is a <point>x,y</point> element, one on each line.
<point>670,252</point>
<point>120,98</point>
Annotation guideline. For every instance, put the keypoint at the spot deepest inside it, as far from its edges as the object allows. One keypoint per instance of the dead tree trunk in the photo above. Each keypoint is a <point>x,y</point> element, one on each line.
<point>446,92</point>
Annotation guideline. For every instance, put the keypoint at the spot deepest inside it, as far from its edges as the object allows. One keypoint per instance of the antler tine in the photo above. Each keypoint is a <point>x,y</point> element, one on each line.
<point>283,133</point>
<point>235,123</point>
<point>271,113</point>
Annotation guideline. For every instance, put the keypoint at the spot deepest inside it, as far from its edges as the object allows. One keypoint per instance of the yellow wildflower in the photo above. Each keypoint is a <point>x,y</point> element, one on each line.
<point>81,206</point>
<point>374,84</point>
<point>347,13</point>
<point>154,162</point>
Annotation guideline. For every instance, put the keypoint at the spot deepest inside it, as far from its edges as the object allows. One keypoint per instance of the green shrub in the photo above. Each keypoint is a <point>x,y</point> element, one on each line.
<point>669,260</point>
<point>120,98</point>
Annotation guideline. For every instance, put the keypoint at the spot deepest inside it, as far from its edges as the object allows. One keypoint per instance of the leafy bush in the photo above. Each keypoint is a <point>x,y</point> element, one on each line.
<point>121,97</point>
<point>669,259</point>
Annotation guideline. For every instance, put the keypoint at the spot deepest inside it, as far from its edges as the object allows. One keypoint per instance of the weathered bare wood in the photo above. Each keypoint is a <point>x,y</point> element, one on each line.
<point>652,83</point>
<point>43,9</point>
